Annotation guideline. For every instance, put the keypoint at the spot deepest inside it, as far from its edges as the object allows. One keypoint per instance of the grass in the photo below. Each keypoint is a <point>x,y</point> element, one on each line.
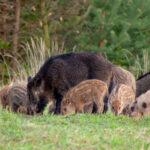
<point>141,65</point>
<point>71,132</point>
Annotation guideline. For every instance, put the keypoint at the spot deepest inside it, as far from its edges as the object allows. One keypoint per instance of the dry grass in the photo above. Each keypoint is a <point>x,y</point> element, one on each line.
<point>35,55</point>
<point>141,65</point>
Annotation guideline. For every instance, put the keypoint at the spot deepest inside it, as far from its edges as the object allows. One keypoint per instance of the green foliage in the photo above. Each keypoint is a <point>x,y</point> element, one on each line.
<point>4,44</point>
<point>116,28</point>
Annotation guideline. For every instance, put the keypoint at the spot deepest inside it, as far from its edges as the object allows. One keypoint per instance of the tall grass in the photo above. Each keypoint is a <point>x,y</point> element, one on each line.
<point>35,55</point>
<point>141,65</point>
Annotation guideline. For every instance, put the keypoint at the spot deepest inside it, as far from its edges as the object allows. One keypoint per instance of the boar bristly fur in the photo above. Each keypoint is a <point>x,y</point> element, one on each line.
<point>18,97</point>
<point>141,106</point>
<point>142,84</point>
<point>85,93</point>
<point>122,76</point>
<point>4,98</point>
<point>120,98</point>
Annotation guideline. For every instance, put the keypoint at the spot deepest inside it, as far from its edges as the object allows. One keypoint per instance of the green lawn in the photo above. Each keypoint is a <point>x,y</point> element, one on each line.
<point>73,132</point>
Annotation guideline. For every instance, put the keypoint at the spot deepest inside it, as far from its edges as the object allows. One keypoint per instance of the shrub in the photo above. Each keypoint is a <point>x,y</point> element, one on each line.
<point>117,28</point>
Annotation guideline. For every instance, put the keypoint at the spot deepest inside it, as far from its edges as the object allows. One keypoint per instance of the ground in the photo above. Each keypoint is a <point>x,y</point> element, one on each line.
<point>73,132</point>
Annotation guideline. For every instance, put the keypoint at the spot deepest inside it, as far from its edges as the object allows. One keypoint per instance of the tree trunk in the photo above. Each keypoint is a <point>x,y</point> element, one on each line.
<point>16,29</point>
<point>3,29</point>
<point>45,24</point>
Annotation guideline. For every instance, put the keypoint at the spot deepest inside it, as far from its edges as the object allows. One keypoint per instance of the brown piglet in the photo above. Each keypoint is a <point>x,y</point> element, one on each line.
<point>120,98</point>
<point>86,93</point>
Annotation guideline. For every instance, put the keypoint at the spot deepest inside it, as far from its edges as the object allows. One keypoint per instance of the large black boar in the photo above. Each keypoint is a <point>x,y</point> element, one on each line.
<point>61,72</point>
<point>143,84</point>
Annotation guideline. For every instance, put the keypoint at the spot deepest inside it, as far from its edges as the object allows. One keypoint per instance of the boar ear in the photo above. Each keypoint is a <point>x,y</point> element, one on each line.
<point>29,78</point>
<point>37,82</point>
